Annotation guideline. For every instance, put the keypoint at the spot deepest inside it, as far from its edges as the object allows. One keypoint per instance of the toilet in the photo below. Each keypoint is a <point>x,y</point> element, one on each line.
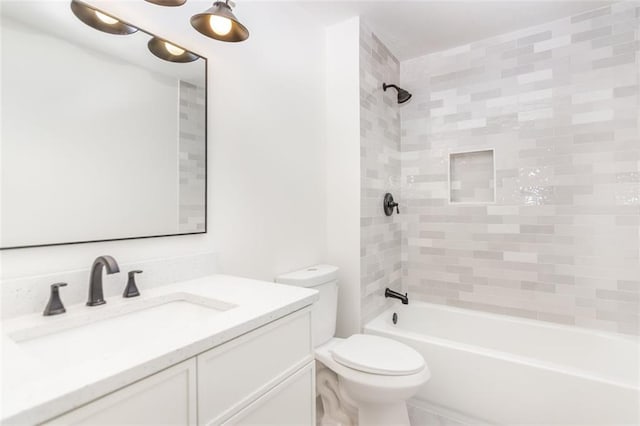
<point>362,379</point>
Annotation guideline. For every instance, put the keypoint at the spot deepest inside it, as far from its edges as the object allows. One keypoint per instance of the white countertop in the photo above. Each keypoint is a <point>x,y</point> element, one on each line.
<point>33,392</point>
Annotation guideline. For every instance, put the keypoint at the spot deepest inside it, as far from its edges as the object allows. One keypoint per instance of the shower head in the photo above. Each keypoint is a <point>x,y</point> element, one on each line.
<point>403,95</point>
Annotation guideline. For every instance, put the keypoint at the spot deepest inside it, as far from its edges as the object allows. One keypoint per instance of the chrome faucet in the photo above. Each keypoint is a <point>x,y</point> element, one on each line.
<point>96,296</point>
<point>394,294</point>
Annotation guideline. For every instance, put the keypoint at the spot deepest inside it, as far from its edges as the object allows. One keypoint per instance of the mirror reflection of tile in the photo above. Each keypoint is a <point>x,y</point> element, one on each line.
<point>471,177</point>
<point>192,158</point>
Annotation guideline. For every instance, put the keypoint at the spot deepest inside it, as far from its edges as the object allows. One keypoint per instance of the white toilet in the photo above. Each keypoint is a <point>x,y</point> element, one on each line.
<point>366,376</point>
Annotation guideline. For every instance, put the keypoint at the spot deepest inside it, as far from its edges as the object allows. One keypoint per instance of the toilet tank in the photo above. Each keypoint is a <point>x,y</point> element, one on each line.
<point>323,278</point>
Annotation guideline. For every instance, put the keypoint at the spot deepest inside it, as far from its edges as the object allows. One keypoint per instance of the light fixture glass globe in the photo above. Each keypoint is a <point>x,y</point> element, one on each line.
<point>220,25</point>
<point>174,50</point>
<point>105,18</point>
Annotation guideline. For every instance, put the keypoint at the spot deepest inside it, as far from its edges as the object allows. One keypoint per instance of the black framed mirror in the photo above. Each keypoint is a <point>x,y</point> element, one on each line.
<point>102,138</point>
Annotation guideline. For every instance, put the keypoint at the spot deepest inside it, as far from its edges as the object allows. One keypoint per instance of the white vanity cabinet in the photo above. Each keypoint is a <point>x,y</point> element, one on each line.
<point>289,403</point>
<point>167,397</point>
<point>232,376</point>
<point>264,377</point>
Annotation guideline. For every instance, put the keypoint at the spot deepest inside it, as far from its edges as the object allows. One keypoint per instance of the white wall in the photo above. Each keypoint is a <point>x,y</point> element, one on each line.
<point>268,139</point>
<point>343,167</point>
<point>266,148</point>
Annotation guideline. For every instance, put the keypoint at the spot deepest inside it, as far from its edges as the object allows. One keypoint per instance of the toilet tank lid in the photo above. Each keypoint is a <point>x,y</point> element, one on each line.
<point>310,277</point>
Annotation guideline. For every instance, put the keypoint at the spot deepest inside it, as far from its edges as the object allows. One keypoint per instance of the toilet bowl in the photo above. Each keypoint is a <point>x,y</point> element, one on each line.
<point>379,396</point>
<point>370,377</point>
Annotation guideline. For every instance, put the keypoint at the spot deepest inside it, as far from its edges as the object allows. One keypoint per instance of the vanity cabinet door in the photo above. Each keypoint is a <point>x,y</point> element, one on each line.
<point>165,398</point>
<point>234,375</point>
<point>292,402</point>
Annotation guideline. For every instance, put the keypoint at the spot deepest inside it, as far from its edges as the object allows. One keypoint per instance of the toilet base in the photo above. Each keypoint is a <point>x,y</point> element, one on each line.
<point>336,410</point>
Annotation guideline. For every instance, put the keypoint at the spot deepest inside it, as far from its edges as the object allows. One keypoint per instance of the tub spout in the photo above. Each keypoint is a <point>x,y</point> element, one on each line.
<point>394,294</point>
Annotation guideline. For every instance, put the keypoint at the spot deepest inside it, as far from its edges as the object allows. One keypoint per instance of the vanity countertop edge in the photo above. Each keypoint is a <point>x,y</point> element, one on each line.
<point>33,398</point>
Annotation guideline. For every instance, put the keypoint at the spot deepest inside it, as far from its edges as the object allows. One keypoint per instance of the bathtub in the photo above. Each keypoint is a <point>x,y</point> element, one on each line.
<point>488,368</point>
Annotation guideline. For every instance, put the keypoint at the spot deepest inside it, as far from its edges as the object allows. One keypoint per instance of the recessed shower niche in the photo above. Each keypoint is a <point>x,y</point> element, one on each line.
<point>472,177</point>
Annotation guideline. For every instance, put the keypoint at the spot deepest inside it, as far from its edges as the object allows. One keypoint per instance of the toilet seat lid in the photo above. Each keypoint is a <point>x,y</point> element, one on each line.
<point>377,355</point>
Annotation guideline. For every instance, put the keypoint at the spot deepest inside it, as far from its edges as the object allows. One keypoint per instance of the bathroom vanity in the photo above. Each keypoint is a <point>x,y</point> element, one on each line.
<point>207,351</point>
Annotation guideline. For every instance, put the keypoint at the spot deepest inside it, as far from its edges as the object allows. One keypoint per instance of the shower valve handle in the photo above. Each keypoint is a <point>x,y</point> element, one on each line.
<point>389,204</point>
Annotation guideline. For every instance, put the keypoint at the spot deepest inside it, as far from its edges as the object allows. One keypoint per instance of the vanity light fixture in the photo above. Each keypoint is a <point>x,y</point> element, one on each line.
<point>100,20</point>
<point>220,23</point>
<point>171,3</point>
<point>170,52</point>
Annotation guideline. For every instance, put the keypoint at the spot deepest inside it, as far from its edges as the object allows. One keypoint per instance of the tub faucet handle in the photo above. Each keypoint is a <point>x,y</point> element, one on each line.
<point>389,204</point>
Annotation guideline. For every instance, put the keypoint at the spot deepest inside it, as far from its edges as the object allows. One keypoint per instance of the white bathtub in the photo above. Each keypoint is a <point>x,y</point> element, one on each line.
<point>504,370</point>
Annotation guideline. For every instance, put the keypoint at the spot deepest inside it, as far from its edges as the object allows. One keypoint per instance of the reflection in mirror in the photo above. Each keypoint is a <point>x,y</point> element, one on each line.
<point>101,139</point>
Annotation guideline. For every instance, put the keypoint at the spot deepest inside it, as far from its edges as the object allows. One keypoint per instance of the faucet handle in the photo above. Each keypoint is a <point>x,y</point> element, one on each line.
<point>131,290</point>
<point>55,306</point>
<point>389,204</point>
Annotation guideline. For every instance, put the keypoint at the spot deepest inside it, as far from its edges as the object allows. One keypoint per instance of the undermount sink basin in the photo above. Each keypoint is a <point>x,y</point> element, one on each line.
<point>100,333</point>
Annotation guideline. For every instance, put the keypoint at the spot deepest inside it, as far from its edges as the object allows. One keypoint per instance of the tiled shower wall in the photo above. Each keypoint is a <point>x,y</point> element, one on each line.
<point>558,104</point>
<point>380,236</point>
<point>192,156</point>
